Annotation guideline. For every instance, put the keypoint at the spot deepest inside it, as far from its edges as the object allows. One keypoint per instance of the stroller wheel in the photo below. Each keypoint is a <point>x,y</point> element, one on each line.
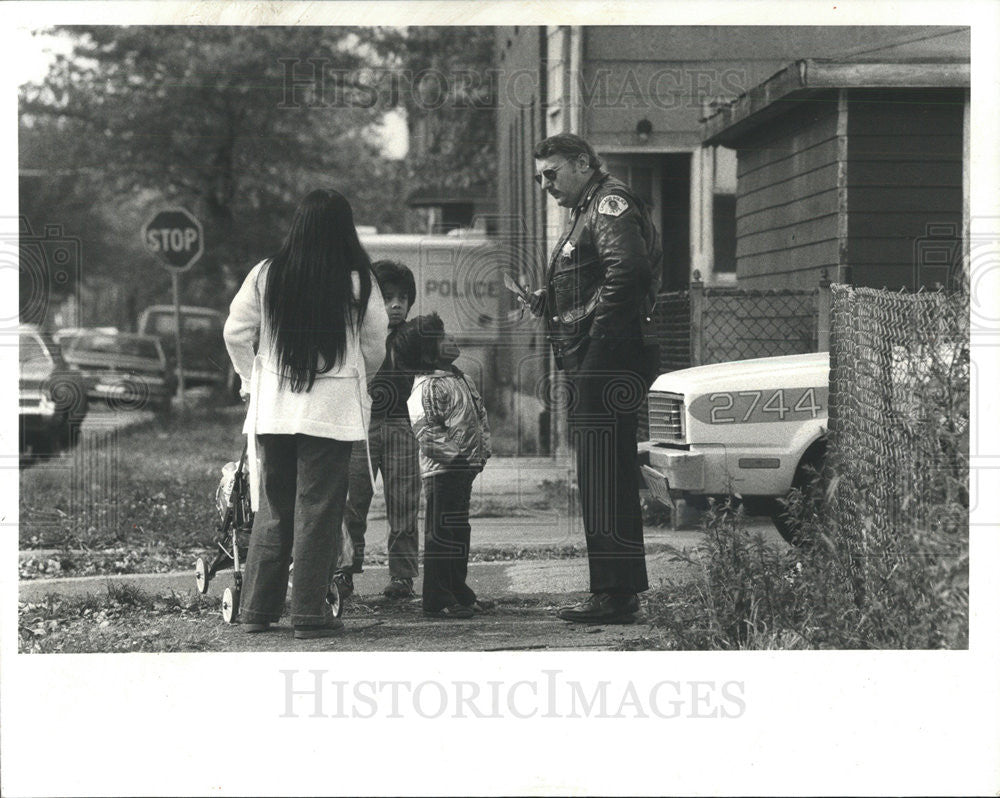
<point>231,605</point>
<point>334,600</point>
<point>201,575</point>
<point>332,594</point>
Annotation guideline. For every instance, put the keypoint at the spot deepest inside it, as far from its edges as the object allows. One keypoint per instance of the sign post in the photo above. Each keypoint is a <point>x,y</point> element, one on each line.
<point>176,238</point>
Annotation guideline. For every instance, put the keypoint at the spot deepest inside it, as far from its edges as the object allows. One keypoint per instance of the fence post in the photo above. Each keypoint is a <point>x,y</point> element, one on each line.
<point>823,314</point>
<point>697,293</point>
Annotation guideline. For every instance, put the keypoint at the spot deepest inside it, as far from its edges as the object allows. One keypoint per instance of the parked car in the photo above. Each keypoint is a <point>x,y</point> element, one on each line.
<point>203,350</point>
<point>756,428</point>
<point>127,370</point>
<point>52,398</point>
<point>64,335</point>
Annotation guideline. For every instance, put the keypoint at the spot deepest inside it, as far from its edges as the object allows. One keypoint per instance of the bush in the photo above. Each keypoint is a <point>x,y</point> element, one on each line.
<point>884,555</point>
<point>751,593</point>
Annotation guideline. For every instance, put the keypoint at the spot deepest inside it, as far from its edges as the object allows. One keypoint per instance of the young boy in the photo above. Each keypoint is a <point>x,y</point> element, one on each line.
<point>393,452</point>
<point>453,433</point>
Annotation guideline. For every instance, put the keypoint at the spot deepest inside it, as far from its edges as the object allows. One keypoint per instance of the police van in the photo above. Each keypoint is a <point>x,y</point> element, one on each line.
<point>459,277</point>
<point>755,428</point>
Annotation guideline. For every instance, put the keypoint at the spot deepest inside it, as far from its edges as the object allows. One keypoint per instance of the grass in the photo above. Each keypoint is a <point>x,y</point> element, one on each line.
<point>154,488</point>
<point>147,503</point>
<point>122,619</point>
<point>907,592</point>
<point>119,560</point>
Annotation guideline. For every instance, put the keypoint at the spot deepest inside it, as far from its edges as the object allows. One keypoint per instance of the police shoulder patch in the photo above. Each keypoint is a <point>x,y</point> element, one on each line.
<point>613,205</point>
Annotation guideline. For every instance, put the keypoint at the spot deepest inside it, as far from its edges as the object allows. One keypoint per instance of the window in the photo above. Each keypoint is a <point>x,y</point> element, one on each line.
<point>724,210</point>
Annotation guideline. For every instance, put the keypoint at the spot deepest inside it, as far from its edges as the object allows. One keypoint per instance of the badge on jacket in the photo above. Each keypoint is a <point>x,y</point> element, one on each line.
<point>613,205</point>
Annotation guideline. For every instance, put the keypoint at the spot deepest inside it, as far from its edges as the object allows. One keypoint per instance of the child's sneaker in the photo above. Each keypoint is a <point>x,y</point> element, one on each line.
<point>345,584</point>
<point>399,587</point>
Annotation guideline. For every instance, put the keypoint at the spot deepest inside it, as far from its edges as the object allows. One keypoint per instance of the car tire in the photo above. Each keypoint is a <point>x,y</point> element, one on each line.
<point>810,480</point>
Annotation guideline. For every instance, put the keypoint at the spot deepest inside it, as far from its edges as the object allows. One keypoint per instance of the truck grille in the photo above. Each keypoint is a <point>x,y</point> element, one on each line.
<point>666,417</point>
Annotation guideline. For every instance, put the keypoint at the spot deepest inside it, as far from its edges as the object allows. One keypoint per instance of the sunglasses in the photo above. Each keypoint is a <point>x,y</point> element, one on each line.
<point>548,174</point>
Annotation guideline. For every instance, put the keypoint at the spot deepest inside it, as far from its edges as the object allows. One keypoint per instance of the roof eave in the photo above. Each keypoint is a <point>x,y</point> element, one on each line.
<point>803,79</point>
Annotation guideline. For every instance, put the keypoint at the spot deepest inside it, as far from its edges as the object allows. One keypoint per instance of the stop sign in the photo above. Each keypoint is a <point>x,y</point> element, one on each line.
<point>175,236</point>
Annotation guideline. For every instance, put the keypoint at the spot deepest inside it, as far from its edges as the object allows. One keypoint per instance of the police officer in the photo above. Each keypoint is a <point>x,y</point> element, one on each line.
<point>599,289</point>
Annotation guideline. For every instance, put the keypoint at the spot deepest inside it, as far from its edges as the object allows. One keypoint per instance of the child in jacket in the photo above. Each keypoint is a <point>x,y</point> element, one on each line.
<point>453,433</point>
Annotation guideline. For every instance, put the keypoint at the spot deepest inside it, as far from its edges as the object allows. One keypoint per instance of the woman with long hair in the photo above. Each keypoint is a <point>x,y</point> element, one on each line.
<point>319,325</point>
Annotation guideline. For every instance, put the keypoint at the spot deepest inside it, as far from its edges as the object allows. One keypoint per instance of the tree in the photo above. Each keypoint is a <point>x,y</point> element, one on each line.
<point>200,116</point>
<point>447,87</point>
<point>236,124</point>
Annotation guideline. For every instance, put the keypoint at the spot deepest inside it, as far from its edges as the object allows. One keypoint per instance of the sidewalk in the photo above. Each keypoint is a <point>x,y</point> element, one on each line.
<point>509,578</point>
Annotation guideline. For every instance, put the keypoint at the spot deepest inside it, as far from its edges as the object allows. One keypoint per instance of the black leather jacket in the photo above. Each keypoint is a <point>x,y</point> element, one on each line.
<point>604,273</point>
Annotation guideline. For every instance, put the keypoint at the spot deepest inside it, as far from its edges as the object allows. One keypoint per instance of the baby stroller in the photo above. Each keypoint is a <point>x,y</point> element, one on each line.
<point>233,541</point>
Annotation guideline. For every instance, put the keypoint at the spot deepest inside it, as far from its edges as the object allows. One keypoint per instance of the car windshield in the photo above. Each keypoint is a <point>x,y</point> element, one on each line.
<point>116,345</point>
<point>31,350</point>
<point>163,324</point>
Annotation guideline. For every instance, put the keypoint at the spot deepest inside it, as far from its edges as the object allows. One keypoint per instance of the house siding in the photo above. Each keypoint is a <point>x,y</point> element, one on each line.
<point>786,202</point>
<point>904,175</point>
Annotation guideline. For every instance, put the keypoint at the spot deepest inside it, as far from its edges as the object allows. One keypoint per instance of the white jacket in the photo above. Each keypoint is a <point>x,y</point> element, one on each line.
<point>337,406</point>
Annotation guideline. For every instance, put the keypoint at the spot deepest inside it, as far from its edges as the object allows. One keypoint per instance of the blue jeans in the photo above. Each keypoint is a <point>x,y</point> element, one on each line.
<point>304,484</point>
<point>395,453</point>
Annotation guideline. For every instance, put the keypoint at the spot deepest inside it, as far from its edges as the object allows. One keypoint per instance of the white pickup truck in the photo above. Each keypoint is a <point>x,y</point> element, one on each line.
<point>756,428</point>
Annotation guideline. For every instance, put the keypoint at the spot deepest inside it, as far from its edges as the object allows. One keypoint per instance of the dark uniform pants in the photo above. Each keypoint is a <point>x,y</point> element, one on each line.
<point>606,394</point>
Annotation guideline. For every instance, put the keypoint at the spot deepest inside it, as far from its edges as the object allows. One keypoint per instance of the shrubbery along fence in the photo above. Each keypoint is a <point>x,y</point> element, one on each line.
<point>899,441</point>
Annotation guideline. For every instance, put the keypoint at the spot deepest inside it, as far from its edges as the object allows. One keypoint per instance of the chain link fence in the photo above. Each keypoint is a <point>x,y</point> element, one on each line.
<point>899,436</point>
<point>718,324</point>
<point>672,327</point>
<point>741,324</point>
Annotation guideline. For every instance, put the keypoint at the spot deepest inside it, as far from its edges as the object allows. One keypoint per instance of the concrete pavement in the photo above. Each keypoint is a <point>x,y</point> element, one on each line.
<point>530,556</point>
<point>489,579</point>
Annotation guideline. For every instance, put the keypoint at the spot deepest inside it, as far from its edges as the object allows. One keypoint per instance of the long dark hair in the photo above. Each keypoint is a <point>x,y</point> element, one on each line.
<point>309,297</point>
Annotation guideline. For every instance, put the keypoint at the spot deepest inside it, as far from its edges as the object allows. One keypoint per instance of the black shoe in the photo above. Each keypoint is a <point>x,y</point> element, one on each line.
<point>602,608</point>
<point>399,587</point>
<point>331,628</point>
<point>256,628</point>
<point>451,611</point>
<point>481,605</point>
<point>630,601</point>
<point>345,584</point>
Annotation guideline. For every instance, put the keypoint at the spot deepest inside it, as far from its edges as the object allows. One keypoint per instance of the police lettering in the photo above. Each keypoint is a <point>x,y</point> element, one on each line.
<point>451,288</point>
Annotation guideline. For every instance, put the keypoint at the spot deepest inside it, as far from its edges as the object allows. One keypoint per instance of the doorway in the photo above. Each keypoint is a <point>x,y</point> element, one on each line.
<point>663,180</point>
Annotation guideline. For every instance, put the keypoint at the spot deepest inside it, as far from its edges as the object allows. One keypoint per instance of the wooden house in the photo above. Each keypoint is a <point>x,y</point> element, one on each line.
<point>848,168</point>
